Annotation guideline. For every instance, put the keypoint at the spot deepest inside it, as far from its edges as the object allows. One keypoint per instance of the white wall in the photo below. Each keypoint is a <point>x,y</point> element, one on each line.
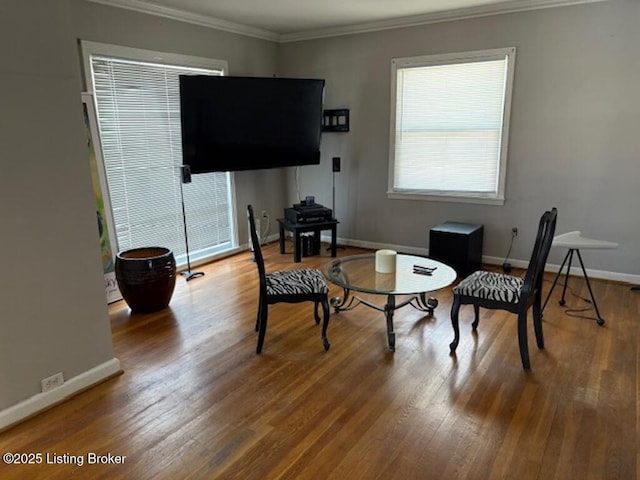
<point>574,129</point>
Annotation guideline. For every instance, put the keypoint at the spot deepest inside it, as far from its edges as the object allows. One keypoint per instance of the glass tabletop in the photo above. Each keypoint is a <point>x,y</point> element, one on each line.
<point>358,273</point>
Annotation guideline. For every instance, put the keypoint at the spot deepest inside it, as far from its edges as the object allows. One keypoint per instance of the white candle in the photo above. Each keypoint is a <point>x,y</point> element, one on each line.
<point>386,261</point>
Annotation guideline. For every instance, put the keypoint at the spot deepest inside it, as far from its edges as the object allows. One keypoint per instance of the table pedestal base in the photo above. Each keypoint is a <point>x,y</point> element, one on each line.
<point>419,302</point>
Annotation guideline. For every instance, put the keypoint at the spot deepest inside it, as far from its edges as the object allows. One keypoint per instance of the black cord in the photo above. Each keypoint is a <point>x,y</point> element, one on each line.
<point>506,266</point>
<point>573,312</point>
<point>510,247</point>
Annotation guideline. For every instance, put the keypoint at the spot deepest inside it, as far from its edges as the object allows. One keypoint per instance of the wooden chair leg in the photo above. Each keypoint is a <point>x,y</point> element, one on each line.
<point>260,302</point>
<point>315,312</point>
<point>476,320</point>
<point>522,340</point>
<point>454,323</point>
<point>325,323</point>
<point>262,329</point>
<point>537,323</point>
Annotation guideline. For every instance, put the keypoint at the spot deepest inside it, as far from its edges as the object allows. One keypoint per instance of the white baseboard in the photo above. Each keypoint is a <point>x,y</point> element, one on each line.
<point>43,401</point>
<point>575,270</point>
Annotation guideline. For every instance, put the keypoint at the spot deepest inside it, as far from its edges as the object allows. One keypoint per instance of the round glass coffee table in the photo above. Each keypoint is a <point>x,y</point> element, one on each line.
<point>414,276</point>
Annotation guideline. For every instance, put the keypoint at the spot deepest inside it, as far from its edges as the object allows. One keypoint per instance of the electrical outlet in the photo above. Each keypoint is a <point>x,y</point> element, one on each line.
<point>52,382</point>
<point>514,231</point>
<point>264,214</point>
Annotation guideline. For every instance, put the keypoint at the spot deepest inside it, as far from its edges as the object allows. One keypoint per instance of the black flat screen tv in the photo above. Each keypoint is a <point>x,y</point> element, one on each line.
<point>249,123</point>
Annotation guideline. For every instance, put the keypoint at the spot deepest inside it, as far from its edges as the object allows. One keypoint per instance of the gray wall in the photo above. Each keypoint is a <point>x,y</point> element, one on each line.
<point>574,140</point>
<point>53,316</point>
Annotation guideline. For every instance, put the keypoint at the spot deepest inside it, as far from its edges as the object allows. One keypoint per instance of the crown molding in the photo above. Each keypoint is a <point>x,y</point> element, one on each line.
<point>188,17</point>
<point>509,6</point>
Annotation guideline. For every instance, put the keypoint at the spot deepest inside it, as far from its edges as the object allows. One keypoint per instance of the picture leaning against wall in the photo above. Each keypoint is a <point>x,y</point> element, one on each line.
<point>108,262</point>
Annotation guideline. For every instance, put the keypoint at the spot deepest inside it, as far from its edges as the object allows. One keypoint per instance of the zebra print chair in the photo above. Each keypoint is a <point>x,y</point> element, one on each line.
<point>288,286</point>
<point>506,292</point>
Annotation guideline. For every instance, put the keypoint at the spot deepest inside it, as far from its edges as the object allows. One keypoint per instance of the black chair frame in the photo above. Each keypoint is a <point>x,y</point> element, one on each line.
<point>530,294</point>
<point>317,294</point>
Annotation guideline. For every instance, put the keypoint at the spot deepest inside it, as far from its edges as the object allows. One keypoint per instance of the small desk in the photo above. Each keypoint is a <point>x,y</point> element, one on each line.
<point>298,228</point>
<point>357,273</point>
<point>574,241</point>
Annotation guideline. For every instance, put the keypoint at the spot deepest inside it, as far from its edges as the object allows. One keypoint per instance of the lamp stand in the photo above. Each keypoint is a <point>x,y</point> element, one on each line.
<point>335,168</point>
<point>185,172</point>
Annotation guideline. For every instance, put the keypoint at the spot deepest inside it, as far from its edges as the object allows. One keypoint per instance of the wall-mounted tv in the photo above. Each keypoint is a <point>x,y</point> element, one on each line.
<point>249,123</point>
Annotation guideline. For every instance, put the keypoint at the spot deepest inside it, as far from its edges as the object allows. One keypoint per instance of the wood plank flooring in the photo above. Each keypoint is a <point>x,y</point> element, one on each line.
<point>196,402</point>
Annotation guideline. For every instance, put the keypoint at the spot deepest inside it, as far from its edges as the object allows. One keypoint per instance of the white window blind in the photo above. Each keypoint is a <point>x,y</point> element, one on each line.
<point>449,125</point>
<point>138,110</point>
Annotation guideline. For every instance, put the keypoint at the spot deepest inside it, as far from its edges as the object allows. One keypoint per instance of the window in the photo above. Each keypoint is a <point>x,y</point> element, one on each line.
<point>449,126</point>
<point>137,101</point>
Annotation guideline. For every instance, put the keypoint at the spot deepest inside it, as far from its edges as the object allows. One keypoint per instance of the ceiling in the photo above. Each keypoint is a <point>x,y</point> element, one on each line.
<point>286,20</point>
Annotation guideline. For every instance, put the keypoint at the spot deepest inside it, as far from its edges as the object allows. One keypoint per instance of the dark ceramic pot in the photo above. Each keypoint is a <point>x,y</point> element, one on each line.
<point>146,277</point>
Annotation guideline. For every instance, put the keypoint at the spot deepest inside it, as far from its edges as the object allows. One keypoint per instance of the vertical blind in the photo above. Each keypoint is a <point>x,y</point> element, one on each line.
<point>138,110</point>
<point>448,127</point>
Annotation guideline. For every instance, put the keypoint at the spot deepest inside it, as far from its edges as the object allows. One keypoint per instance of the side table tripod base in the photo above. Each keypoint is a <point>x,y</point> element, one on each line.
<point>574,241</point>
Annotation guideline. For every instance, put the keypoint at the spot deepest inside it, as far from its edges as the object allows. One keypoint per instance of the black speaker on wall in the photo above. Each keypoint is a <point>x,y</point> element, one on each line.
<point>185,172</point>
<point>336,164</point>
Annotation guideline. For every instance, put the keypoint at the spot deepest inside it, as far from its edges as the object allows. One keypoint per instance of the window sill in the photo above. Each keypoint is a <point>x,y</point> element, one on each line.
<point>431,197</point>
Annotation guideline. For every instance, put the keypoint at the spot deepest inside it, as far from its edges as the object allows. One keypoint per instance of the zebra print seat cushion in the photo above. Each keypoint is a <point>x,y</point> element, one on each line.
<point>301,281</point>
<point>491,286</point>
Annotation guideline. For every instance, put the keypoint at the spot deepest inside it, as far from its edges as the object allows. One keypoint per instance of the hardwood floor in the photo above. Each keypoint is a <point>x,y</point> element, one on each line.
<point>195,401</point>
